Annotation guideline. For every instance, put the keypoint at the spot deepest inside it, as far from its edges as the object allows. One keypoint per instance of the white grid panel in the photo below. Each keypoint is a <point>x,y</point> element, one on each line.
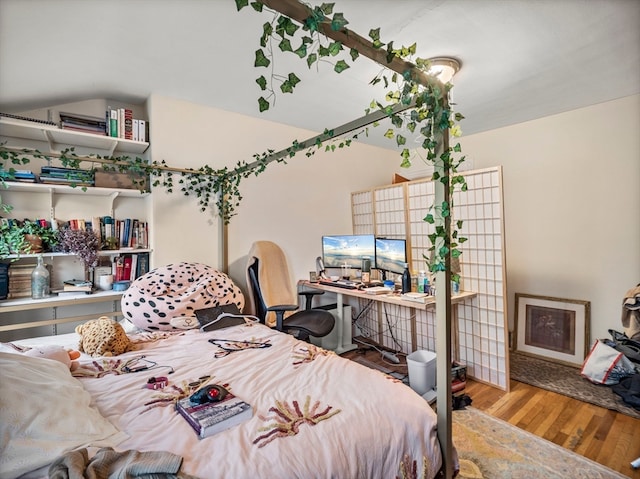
<point>421,196</point>
<point>483,341</point>
<point>390,212</point>
<point>482,338</point>
<point>362,212</point>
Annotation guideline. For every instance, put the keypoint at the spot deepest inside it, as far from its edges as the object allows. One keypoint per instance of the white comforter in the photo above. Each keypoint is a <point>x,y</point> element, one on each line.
<point>316,415</point>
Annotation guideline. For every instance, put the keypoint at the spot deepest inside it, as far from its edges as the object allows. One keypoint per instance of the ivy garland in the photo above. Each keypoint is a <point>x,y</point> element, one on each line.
<point>427,113</point>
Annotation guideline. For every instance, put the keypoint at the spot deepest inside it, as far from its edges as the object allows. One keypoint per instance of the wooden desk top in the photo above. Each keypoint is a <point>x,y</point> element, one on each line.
<point>391,298</point>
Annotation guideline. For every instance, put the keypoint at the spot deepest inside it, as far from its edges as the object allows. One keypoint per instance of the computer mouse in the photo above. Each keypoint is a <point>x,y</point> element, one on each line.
<point>211,393</point>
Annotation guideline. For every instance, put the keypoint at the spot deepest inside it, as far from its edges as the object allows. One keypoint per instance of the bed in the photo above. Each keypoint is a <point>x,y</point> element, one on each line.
<point>316,415</point>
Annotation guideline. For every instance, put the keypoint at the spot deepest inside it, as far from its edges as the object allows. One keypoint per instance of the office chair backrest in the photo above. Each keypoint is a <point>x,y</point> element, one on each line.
<point>270,266</point>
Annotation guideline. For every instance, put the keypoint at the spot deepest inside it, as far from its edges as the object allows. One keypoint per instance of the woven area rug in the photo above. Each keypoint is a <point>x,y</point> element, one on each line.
<point>489,448</point>
<point>565,380</point>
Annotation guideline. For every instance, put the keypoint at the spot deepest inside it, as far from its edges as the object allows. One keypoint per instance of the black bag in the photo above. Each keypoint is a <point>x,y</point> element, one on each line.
<point>629,347</point>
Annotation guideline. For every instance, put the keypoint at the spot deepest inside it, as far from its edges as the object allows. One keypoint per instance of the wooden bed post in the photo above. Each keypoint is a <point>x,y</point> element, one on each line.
<point>300,12</point>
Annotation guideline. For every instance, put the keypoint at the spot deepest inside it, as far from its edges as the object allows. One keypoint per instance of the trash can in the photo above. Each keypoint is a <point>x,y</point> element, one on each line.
<point>422,371</point>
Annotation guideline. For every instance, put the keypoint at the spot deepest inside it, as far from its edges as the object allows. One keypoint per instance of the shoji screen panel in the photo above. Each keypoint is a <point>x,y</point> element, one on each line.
<point>389,207</point>
<point>483,330</point>
<point>398,211</point>
<point>362,213</point>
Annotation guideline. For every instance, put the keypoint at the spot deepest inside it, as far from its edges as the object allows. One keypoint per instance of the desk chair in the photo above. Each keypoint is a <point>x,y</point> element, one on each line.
<point>272,296</point>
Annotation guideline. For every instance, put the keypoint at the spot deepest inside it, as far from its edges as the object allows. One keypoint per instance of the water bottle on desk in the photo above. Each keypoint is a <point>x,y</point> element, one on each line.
<point>406,279</point>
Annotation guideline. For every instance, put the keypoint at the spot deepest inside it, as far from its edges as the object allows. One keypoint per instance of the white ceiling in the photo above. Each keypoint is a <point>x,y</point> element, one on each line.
<point>521,59</point>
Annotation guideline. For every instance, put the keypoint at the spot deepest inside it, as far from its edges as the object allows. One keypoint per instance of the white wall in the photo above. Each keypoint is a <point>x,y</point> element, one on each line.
<point>572,205</point>
<point>292,205</point>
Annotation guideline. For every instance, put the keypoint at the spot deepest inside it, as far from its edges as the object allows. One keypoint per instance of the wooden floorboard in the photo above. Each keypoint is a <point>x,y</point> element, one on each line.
<point>607,437</point>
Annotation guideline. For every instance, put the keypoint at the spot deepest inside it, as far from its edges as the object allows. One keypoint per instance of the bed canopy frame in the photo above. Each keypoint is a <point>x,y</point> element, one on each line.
<point>300,12</point>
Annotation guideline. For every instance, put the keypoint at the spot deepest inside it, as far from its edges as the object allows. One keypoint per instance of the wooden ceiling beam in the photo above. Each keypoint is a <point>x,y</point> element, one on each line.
<point>300,12</point>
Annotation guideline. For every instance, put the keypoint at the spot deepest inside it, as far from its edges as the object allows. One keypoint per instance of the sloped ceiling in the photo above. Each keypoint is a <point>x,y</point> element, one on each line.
<point>521,59</point>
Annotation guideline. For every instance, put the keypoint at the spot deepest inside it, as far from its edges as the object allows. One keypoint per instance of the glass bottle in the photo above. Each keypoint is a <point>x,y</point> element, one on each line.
<point>422,280</point>
<point>40,280</point>
<point>366,269</point>
<point>406,279</point>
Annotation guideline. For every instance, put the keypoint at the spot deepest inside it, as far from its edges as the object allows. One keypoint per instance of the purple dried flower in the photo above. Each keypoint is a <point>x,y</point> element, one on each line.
<point>84,244</point>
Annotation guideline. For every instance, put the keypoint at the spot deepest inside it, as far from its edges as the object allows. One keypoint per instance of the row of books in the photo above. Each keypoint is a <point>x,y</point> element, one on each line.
<point>127,267</point>
<point>121,124</point>
<point>129,232</point>
<point>23,176</point>
<point>19,280</point>
<point>83,123</point>
<point>117,123</point>
<point>64,176</point>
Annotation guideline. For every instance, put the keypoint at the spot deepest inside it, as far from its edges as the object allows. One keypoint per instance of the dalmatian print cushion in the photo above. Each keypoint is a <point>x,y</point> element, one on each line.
<point>165,298</point>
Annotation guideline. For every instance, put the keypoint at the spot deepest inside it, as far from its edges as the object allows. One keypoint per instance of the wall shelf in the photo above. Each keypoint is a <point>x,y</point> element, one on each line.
<point>59,139</point>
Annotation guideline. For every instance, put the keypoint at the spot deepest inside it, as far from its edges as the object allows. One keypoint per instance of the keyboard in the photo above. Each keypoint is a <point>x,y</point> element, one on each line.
<point>341,284</point>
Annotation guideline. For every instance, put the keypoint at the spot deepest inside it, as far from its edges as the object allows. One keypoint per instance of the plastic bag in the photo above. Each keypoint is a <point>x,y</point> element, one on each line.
<point>606,365</point>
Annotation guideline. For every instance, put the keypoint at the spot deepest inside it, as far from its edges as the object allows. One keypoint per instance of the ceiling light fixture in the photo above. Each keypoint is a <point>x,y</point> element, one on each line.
<point>443,68</point>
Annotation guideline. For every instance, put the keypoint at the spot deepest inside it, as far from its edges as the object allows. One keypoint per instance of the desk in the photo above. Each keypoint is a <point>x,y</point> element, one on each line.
<point>392,298</point>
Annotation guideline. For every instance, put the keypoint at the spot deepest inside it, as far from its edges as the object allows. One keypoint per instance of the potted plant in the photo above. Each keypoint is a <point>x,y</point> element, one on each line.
<point>40,238</point>
<point>11,239</point>
<point>84,244</point>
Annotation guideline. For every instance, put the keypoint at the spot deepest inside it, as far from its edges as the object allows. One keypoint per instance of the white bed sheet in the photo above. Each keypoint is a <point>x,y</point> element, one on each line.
<point>380,428</point>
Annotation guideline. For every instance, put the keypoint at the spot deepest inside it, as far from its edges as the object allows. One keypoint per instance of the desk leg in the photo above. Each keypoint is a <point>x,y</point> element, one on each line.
<point>340,324</point>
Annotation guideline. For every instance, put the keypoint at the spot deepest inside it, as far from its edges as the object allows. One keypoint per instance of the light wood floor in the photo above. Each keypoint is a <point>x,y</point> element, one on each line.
<point>604,436</point>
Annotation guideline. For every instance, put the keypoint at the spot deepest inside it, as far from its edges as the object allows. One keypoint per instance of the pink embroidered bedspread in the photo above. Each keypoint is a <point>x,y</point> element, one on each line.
<point>316,415</point>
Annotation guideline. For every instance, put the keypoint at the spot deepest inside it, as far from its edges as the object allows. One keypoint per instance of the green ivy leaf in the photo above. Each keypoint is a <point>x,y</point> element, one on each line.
<point>267,30</point>
<point>327,8</point>
<point>257,6</point>
<point>340,66</point>
<point>263,104</point>
<point>306,39</point>
<point>411,126</point>
<point>285,45</point>
<point>405,163</point>
<point>311,59</point>
<point>390,133</point>
<point>286,87</point>
<point>285,26</point>
<point>338,22</point>
<point>458,116</point>
<point>261,60</point>
<point>374,34</point>
<point>334,48</point>
<point>457,148</point>
<point>354,54</point>
<point>400,140</point>
<point>262,81</point>
<point>293,79</point>
<point>301,51</point>
<point>240,4</point>
<point>429,219</point>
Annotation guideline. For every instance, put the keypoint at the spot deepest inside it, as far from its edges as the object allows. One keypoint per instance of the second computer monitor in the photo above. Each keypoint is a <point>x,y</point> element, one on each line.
<point>391,254</point>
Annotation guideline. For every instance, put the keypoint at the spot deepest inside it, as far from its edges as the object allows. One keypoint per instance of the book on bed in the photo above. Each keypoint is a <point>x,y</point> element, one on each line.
<point>213,417</point>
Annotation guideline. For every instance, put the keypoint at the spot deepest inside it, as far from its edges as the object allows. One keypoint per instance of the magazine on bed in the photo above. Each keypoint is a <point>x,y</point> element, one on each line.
<point>211,418</point>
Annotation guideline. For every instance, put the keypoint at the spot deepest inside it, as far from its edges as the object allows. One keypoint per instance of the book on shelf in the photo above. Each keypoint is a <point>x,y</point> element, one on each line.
<point>80,288</point>
<point>213,417</point>
<point>126,270</point>
<point>77,285</point>
<point>113,123</point>
<point>143,264</point>
<point>65,293</point>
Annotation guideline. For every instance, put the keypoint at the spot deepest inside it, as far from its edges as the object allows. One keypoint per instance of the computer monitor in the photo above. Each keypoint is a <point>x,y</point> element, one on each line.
<point>338,250</point>
<point>391,255</point>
